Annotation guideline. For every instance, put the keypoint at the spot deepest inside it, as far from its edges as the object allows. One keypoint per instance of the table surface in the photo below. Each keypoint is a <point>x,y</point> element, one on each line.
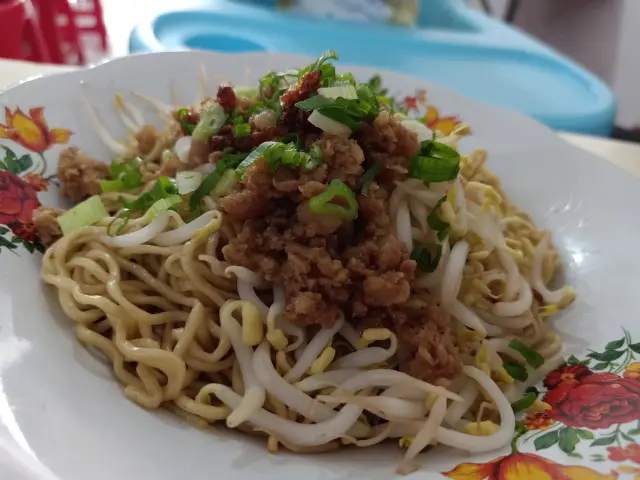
<point>625,155</point>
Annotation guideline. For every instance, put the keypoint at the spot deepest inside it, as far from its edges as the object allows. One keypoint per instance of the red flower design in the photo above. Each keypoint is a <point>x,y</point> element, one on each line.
<point>18,200</point>
<point>620,454</point>
<point>36,181</point>
<point>24,231</point>
<point>410,103</point>
<point>567,373</point>
<point>595,400</point>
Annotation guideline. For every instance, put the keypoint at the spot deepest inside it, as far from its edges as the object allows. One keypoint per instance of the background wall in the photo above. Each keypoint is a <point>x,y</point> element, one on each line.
<point>602,35</point>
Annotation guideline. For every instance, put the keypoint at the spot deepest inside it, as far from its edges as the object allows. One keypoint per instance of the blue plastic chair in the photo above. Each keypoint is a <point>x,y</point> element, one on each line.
<point>453,45</point>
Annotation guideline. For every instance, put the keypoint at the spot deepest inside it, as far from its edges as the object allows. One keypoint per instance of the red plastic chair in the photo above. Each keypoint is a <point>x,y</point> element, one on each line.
<point>66,25</point>
<point>63,49</point>
<point>20,34</point>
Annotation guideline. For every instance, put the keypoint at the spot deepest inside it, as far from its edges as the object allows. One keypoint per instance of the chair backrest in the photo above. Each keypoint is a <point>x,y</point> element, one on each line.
<point>20,35</point>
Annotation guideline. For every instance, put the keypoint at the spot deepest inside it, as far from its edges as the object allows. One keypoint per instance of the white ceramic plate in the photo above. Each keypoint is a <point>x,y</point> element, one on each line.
<point>63,416</point>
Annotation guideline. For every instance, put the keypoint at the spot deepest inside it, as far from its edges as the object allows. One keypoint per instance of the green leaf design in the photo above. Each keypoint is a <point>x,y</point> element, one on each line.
<point>572,360</point>
<point>586,434</point>
<point>24,163</point>
<point>568,439</point>
<point>603,441</point>
<point>634,431</point>
<point>29,246</point>
<point>520,428</point>
<point>574,454</point>
<point>600,366</point>
<point>3,230</point>
<point>4,243</point>
<point>628,438</point>
<point>606,356</point>
<point>10,161</point>
<point>39,247</point>
<point>635,347</point>
<point>616,344</point>
<point>547,440</point>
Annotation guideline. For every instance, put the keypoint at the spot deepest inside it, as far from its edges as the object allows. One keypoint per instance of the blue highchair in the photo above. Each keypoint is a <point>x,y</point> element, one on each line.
<point>452,45</point>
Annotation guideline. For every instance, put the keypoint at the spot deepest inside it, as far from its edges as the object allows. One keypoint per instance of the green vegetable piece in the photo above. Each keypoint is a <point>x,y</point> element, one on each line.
<point>524,403</point>
<point>84,214</point>
<point>532,357</point>
<point>435,162</point>
<point>362,185</point>
<point>212,118</point>
<point>229,161</point>
<point>436,223</point>
<point>427,256</point>
<point>183,116</point>
<point>327,203</point>
<point>516,370</point>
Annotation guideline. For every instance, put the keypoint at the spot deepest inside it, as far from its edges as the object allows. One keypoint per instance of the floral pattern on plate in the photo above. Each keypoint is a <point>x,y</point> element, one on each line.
<point>593,407</point>
<point>21,176</point>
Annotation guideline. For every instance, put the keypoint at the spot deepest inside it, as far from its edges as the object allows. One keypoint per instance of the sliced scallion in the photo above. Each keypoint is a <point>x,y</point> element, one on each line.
<point>532,357</point>
<point>84,214</point>
<point>427,256</point>
<point>338,200</point>
<point>435,162</point>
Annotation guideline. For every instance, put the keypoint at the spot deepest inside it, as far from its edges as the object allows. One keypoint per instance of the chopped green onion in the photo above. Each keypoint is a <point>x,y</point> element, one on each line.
<point>226,183</point>
<point>188,181</point>
<point>161,188</point>
<point>524,403</point>
<point>252,157</point>
<point>124,176</point>
<point>84,214</point>
<point>367,177</point>
<point>212,118</point>
<point>436,223</point>
<point>242,129</point>
<point>346,91</point>
<point>325,203</point>
<point>328,72</point>
<point>229,161</point>
<point>183,119</point>
<point>277,154</point>
<point>163,205</point>
<point>532,357</point>
<point>346,79</point>
<point>375,84</point>
<point>516,370</point>
<point>246,91</point>
<point>341,124</point>
<point>427,256</point>
<point>435,162</point>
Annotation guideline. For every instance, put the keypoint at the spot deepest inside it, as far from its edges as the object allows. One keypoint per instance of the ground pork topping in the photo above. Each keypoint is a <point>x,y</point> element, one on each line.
<point>80,174</point>
<point>46,222</point>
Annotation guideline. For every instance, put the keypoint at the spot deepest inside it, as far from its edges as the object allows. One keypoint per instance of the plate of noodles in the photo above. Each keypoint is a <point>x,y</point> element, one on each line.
<point>271,266</point>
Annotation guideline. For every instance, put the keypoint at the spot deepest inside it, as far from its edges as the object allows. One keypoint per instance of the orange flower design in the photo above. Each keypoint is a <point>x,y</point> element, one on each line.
<point>539,421</point>
<point>38,183</point>
<point>444,124</point>
<point>620,454</point>
<point>632,370</point>
<point>630,470</point>
<point>521,466</point>
<point>31,131</point>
